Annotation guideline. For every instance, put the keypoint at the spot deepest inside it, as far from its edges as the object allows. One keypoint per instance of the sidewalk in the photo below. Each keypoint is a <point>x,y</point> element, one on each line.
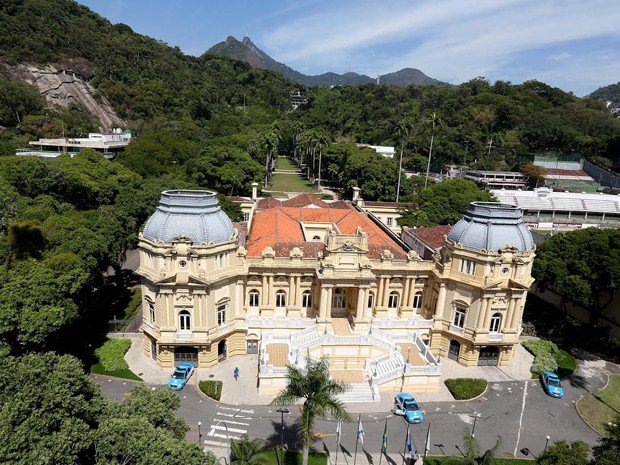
<point>244,391</point>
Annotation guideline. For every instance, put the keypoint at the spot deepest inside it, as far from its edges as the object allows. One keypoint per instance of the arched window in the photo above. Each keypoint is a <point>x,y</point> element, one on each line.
<point>496,322</point>
<point>371,300</point>
<point>459,317</point>
<point>417,300</point>
<point>151,306</point>
<point>393,300</point>
<point>280,299</point>
<point>221,314</point>
<point>306,299</point>
<point>316,239</point>
<point>253,298</point>
<point>185,321</point>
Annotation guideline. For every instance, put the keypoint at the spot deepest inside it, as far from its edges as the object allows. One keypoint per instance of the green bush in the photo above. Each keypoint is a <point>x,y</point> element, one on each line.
<point>549,357</point>
<point>430,460</point>
<point>111,354</point>
<point>211,388</point>
<point>544,361</point>
<point>134,306</point>
<point>327,197</point>
<point>466,388</point>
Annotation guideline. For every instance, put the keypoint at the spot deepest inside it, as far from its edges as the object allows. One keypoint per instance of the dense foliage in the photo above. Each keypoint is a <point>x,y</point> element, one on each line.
<point>112,354</point>
<point>588,279</point>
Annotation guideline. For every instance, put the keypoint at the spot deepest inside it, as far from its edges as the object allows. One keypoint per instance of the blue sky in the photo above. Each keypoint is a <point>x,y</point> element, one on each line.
<point>571,44</point>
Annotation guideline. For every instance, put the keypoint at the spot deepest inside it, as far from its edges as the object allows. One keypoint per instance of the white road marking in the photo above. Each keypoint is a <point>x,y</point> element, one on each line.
<point>237,410</point>
<point>232,415</point>
<point>230,430</point>
<point>223,436</point>
<point>215,443</point>
<point>521,418</point>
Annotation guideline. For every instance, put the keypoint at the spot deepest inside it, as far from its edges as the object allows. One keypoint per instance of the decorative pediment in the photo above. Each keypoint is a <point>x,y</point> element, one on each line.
<point>296,253</point>
<point>412,255</point>
<point>183,298</point>
<point>268,252</point>
<point>387,255</point>
<point>242,252</point>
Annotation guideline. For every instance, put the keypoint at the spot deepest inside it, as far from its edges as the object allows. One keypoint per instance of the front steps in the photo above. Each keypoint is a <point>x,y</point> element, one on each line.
<point>358,392</point>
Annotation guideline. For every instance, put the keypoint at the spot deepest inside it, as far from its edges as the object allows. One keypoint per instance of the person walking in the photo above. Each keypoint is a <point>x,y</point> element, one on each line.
<point>236,372</point>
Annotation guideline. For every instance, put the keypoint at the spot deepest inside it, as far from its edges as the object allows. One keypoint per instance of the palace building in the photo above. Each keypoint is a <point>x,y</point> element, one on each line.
<point>311,279</point>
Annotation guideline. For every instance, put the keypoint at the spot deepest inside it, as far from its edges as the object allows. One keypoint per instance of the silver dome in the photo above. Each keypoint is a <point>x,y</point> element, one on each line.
<point>491,226</point>
<point>195,215</point>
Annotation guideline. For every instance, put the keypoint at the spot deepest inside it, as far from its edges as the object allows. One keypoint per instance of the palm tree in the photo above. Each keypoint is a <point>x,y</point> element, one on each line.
<point>403,130</point>
<point>245,451</point>
<point>269,144</point>
<point>433,121</point>
<point>319,393</point>
<point>471,453</point>
<point>322,141</point>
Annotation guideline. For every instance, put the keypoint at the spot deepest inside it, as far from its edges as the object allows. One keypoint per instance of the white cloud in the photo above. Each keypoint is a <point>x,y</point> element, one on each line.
<point>560,56</point>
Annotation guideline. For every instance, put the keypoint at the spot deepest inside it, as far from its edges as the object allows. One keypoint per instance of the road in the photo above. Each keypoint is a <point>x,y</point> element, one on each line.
<point>518,412</point>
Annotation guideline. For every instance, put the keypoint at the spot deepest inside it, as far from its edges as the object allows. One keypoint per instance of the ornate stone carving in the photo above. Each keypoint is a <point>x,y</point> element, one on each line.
<point>268,252</point>
<point>296,253</point>
<point>387,255</point>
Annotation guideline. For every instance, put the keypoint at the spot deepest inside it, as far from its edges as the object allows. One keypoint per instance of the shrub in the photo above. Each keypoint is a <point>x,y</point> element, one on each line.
<point>466,388</point>
<point>327,197</point>
<point>211,388</point>
<point>544,361</point>
<point>111,354</point>
<point>537,346</point>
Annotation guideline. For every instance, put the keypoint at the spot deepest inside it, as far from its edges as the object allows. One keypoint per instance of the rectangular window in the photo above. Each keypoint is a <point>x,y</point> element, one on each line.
<point>246,217</point>
<point>151,311</point>
<point>221,315</point>
<point>468,266</point>
<point>459,317</point>
<point>306,300</point>
<point>253,300</point>
<point>390,221</point>
<point>417,300</point>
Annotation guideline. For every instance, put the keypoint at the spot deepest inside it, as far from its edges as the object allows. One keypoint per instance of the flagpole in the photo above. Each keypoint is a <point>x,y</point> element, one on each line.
<point>427,446</point>
<point>357,440</point>
<point>405,448</point>
<point>338,442</point>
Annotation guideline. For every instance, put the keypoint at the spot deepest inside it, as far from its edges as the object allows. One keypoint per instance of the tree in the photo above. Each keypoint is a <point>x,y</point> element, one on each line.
<point>535,174</point>
<point>318,392</point>
<point>403,131</point>
<point>321,142</point>
<point>48,410</point>
<point>472,453</point>
<point>589,279</point>
<point>563,453</point>
<point>433,122</point>
<point>444,203</point>
<point>607,452</point>
<point>17,100</point>
<point>245,451</point>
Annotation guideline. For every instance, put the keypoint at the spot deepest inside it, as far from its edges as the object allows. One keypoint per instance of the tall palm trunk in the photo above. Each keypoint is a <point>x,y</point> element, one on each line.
<point>428,165</point>
<point>400,170</point>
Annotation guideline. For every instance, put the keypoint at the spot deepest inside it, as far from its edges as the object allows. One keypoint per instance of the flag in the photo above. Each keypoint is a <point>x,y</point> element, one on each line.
<point>384,444</point>
<point>360,430</point>
<point>409,443</point>
<point>427,445</point>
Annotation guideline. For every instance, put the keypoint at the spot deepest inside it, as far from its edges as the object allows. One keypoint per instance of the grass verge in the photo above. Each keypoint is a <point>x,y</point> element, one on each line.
<point>111,360</point>
<point>98,369</point>
<point>499,461</point>
<point>291,457</point>
<point>601,408</point>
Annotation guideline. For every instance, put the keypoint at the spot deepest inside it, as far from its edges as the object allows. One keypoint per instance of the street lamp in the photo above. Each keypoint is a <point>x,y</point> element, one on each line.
<point>546,443</point>
<point>282,411</point>
<point>199,433</point>
<point>473,429</point>
<point>227,436</point>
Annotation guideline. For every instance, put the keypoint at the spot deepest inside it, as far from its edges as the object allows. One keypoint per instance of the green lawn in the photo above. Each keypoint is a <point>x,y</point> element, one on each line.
<point>290,183</point>
<point>271,457</point>
<point>603,407</point>
<point>499,461</point>
<point>125,374</point>
<point>285,163</point>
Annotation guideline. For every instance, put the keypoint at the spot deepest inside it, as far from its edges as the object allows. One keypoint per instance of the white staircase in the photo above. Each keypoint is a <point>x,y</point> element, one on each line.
<point>358,392</point>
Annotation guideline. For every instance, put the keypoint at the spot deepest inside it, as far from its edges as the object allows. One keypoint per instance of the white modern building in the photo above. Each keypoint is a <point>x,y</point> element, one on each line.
<point>110,145</point>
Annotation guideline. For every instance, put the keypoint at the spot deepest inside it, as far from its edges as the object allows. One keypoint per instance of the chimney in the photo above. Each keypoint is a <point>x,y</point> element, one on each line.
<point>254,191</point>
<point>356,195</point>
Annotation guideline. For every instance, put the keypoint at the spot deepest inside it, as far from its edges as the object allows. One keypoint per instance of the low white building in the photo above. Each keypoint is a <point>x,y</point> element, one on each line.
<point>386,151</point>
<point>110,145</point>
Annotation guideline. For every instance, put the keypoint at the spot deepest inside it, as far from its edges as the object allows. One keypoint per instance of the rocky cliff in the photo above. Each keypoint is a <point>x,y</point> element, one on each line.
<point>63,85</point>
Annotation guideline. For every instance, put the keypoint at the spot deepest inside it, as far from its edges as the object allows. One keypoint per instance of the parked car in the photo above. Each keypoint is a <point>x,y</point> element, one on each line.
<point>552,384</point>
<point>179,378</point>
<point>405,404</point>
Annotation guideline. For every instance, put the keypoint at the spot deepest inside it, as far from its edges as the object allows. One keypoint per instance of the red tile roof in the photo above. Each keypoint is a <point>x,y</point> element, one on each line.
<point>280,228</point>
<point>303,200</point>
<point>433,236</point>
<point>268,202</point>
<point>374,203</point>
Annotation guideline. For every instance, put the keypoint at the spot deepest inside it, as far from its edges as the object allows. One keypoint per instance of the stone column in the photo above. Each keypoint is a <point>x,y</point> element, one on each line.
<point>379,295</point>
<point>406,302</point>
<point>328,301</point>
<point>361,302</point>
<point>484,304</point>
<point>487,316</point>
<point>323,304</point>
<point>270,290</point>
<point>264,293</point>
<point>291,291</point>
<point>516,314</point>
<point>203,309</point>
<point>298,291</point>
<point>511,309</point>
<point>441,301</point>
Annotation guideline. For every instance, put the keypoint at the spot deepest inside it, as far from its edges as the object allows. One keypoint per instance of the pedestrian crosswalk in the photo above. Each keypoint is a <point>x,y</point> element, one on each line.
<point>228,423</point>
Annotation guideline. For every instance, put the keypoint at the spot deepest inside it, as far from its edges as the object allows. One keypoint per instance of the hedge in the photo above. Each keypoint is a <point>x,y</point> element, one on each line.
<point>466,388</point>
<point>549,357</point>
<point>211,388</point>
<point>111,354</point>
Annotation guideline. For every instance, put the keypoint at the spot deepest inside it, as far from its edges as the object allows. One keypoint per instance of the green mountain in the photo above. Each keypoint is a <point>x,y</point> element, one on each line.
<point>610,95</point>
<point>248,52</point>
<point>143,78</point>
